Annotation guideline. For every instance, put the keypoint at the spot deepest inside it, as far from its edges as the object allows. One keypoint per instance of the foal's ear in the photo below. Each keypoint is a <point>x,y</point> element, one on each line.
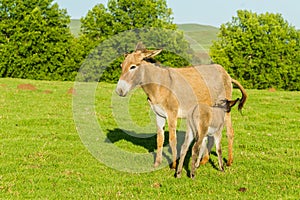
<point>151,53</point>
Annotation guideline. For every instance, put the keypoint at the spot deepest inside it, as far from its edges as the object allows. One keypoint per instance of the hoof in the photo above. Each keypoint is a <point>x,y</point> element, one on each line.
<point>229,163</point>
<point>156,164</point>
<point>173,166</point>
<point>192,176</point>
<point>204,160</point>
<point>178,175</point>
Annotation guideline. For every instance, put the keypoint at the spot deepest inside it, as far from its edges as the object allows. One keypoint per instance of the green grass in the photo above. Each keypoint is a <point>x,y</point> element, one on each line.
<point>43,157</point>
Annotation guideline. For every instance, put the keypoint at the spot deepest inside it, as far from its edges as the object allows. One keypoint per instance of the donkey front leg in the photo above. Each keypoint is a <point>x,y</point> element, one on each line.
<point>172,123</point>
<point>160,123</point>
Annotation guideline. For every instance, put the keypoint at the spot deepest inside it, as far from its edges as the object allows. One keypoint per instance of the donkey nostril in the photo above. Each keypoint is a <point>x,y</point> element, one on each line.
<point>120,92</point>
<point>122,88</point>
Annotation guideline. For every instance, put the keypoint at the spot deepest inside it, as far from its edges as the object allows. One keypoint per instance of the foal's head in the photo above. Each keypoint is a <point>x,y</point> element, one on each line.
<point>226,104</point>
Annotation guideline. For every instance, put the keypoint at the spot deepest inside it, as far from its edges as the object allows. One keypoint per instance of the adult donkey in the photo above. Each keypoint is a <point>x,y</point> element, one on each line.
<point>173,91</point>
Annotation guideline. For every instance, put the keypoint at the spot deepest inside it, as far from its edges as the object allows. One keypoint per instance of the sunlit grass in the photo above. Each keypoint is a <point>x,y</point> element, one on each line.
<point>42,156</point>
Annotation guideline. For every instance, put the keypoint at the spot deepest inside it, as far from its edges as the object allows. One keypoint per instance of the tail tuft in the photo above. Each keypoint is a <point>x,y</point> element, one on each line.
<point>242,101</point>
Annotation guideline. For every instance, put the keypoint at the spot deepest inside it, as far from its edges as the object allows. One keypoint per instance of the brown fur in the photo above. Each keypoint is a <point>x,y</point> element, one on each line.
<point>173,91</point>
<point>204,121</point>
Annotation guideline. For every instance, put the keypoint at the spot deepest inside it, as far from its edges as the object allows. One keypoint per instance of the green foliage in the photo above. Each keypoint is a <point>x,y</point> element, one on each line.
<point>119,27</point>
<point>261,51</point>
<point>35,40</point>
<point>123,15</point>
<point>103,62</point>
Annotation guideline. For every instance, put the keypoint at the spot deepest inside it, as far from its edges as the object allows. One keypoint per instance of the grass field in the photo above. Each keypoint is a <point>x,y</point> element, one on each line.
<point>43,157</point>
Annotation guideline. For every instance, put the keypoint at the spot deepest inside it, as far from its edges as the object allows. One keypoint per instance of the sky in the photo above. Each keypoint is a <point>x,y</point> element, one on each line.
<point>206,12</point>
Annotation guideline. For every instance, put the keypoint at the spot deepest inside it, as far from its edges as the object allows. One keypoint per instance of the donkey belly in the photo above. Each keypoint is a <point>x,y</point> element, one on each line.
<point>159,110</point>
<point>182,113</point>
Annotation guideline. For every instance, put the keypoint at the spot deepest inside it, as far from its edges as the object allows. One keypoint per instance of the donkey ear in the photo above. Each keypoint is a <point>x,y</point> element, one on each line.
<point>140,47</point>
<point>151,53</point>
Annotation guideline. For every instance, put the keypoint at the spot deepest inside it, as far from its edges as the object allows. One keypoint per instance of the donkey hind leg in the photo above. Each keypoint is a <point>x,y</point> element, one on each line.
<point>195,153</point>
<point>184,148</point>
<point>218,137</point>
<point>160,123</point>
<point>207,150</point>
<point>230,136</point>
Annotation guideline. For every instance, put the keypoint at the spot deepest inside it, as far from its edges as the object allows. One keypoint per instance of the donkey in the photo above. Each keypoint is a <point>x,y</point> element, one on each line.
<point>173,91</point>
<point>204,121</point>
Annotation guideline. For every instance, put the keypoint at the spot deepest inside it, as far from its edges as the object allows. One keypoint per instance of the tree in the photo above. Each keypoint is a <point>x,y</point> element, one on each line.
<point>149,21</point>
<point>35,40</point>
<point>261,50</point>
<point>122,15</point>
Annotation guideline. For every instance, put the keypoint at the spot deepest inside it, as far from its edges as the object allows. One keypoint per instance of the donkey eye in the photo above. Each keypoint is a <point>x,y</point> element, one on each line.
<point>132,67</point>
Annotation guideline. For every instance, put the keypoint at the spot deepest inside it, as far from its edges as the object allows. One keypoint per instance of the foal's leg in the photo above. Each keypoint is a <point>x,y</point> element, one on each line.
<point>208,147</point>
<point>202,151</point>
<point>230,136</point>
<point>195,151</point>
<point>160,123</point>
<point>184,148</point>
<point>218,137</point>
<point>172,123</point>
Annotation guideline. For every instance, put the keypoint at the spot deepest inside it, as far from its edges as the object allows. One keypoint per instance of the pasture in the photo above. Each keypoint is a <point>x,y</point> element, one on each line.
<point>43,157</point>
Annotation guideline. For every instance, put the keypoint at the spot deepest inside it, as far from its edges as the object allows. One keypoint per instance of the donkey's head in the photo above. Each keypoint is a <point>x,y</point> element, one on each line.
<point>132,69</point>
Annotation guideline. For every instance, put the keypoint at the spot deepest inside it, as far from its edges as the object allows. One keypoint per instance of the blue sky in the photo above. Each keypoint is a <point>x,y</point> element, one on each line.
<point>208,12</point>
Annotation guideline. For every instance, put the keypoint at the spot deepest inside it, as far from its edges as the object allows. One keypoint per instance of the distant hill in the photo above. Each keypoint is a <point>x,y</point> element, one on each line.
<point>75,26</point>
<point>199,36</point>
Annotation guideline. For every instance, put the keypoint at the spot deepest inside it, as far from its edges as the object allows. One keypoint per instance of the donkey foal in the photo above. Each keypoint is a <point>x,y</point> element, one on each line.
<point>204,121</point>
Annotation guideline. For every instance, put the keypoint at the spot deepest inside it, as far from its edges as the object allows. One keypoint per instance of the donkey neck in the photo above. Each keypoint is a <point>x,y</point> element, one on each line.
<point>156,81</point>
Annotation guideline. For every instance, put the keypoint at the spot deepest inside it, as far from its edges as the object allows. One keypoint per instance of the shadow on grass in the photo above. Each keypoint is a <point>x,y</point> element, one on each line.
<point>187,161</point>
<point>148,142</point>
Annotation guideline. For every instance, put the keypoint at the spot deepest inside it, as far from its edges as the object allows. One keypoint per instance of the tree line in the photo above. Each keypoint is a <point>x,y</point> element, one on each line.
<point>36,42</point>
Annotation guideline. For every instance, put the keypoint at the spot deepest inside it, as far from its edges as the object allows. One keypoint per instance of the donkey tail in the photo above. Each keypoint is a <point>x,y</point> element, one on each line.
<point>244,94</point>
